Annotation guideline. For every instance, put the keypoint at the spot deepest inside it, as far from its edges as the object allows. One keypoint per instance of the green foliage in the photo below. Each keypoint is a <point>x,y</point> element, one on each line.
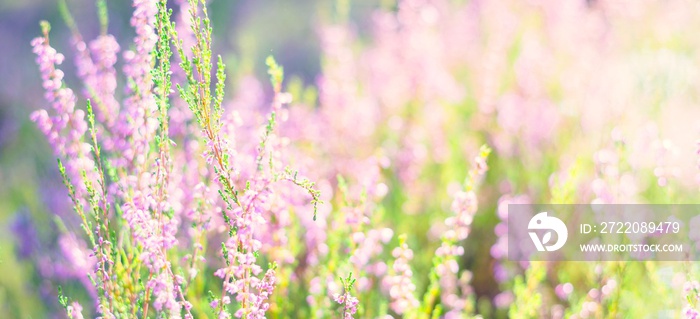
<point>276,73</point>
<point>526,290</point>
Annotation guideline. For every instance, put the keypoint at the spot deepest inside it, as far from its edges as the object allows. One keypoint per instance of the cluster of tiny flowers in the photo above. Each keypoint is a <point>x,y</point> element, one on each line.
<point>348,302</point>
<point>369,245</point>
<point>690,313</point>
<point>595,299</point>
<point>691,289</point>
<point>66,128</point>
<point>259,303</point>
<point>79,259</point>
<point>499,250</point>
<point>138,120</point>
<point>165,294</point>
<point>240,277</point>
<point>401,287</point>
<point>75,311</point>
<point>464,206</point>
<point>95,67</point>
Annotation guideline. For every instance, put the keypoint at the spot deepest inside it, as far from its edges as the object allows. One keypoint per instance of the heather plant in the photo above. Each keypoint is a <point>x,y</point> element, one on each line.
<point>379,192</point>
<point>126,193</point>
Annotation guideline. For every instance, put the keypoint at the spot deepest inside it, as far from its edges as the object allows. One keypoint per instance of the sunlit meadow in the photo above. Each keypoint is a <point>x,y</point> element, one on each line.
<point>362,169</point>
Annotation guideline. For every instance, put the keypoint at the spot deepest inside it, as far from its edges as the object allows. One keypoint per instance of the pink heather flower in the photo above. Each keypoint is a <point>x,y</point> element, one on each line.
<point>369,245</point>
<point>480,165</point>
<point>563,291</point>
<point>138,121</point>
<point>457,303</point>
<point>690,288</point>
<point>155,235</point>
<point>349,304</point>
<point>80,260</point>
<point>503,299</point>
<point>259,303</point>
<point>95,66</point>
<point>595,299</point>
<point>240,277</point>
<point>401,287</point>
<point>464,206</point>
<point>146,181</point>
<point>75,311</point>
<point>609,287</point>
<point>65,129</point>
<point>499,250</point>
<point>690,313</point>
<point>165,296</point>
<point>347,117</point>
<point>349,114</point>
<point>274,232</point>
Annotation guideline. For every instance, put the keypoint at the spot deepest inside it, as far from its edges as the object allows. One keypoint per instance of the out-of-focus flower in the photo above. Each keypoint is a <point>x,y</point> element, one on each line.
<point>401,287</point>
<point>75,311</point>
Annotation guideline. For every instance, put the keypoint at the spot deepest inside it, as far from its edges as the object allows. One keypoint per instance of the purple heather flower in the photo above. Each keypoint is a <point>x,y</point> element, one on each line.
<point>75,311</point>
<point>691,288</point>
<point>138,121</point>
<point>690,313</point>
<point>95,66</point>
<point>464,206</point>
<point>165,295</point>
<point>25,233</point>
<point>80,261</point>
<point>499,250</point>
<point>250,291</point>
<point>66,128</point>
<point>259,304</point>
<point>349,304</point>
